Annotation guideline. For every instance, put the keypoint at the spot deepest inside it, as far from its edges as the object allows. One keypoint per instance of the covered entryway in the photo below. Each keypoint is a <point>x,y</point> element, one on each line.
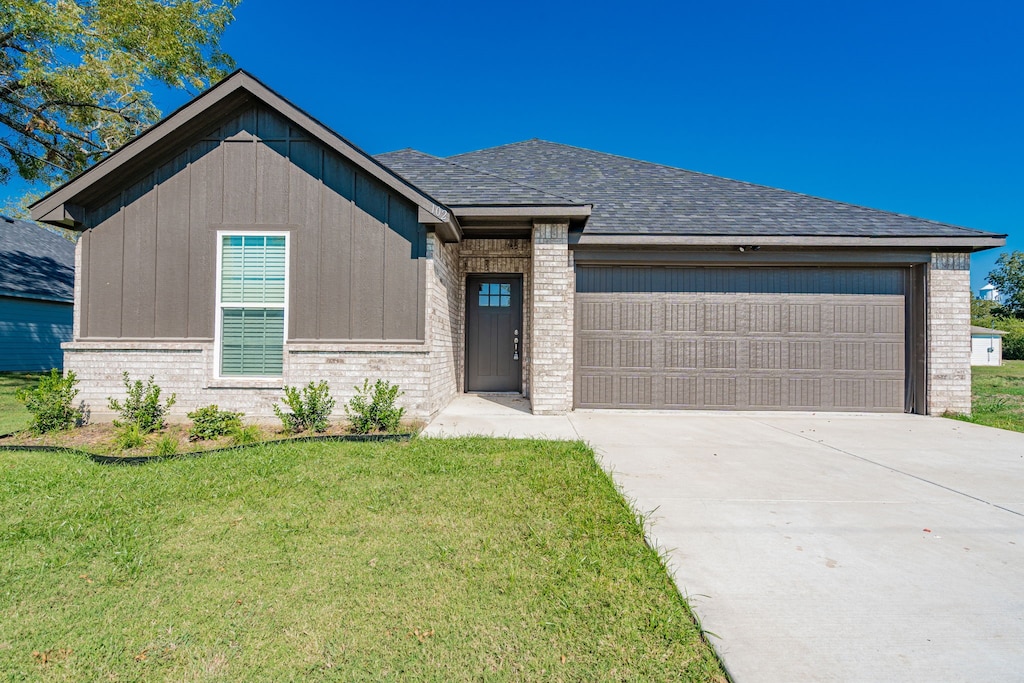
<point>494,326</point>
<point>741,338</point>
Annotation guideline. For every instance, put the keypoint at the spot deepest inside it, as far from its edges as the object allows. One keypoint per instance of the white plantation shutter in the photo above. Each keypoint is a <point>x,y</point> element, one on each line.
<point>253,269</point>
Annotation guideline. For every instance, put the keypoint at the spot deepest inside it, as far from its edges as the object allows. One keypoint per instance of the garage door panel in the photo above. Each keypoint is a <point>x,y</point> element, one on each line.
<point>763,338</point>
<point>682,392</point>
<point>889,356</point>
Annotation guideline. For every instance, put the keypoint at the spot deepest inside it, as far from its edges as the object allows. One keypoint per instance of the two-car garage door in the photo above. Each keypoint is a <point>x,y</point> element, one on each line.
<point>721,338</point>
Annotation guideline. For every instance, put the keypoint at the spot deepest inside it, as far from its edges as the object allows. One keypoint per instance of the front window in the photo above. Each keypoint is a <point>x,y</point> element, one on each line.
<point>251,304</point>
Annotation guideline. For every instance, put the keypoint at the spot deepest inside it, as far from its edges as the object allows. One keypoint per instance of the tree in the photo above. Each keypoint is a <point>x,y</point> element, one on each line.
<point>1008,277</point>
<point>74,75</point>
<point>983,312</point>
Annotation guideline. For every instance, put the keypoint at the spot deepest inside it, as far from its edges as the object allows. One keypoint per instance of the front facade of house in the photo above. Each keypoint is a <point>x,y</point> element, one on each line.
<point>240,246</point>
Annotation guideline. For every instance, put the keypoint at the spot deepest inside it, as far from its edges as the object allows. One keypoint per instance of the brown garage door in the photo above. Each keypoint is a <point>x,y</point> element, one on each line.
<point>740,338</point>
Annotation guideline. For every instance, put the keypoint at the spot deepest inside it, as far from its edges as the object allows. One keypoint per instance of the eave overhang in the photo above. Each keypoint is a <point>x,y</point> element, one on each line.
<point>497,217</point>
<point>971,243</point>
<point>63,206</point>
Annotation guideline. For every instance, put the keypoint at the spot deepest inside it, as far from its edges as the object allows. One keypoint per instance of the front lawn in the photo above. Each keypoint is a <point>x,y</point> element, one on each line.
<point>436,560</point>
<point>13,415</point>
<point>998,395</point>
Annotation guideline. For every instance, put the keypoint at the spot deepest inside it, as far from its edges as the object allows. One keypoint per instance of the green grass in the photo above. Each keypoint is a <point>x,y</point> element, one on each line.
<point>470,559</point>
<point>998,396</point>
<point>13,415</point>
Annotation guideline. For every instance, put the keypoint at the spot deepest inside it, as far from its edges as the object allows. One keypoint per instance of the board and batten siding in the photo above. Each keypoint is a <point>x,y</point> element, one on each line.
<point>31,332</point>
<point>357,249</point>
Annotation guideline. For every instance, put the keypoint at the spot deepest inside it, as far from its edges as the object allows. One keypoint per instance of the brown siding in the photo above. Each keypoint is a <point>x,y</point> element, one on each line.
<point>149,263</point>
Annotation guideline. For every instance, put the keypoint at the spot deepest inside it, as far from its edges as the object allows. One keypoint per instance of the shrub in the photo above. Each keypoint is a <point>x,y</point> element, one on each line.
<point>243,436</point>
<point>129,436</point>
<point>50,402</point>
<point>1013,340</point>
<point>373,408</point>
<point>310,408</point>
<point>210,422</point>
<point>142,407</point>
<point>166,445</point>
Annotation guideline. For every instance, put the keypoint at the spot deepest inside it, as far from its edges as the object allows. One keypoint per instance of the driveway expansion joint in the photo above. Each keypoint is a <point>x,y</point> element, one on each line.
<point>821,442</point>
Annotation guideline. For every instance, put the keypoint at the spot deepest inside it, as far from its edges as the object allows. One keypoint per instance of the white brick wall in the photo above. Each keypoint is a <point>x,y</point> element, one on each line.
<point>949,334</point>
<point>444,322</point>
<point>552,315</point>
<point>186,369</point>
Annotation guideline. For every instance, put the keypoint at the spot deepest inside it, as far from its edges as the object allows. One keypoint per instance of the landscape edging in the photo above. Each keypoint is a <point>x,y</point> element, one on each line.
<point>145,459</point>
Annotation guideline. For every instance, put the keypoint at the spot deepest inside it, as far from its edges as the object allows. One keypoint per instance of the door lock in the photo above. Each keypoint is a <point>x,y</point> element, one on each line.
<point>515,346</point>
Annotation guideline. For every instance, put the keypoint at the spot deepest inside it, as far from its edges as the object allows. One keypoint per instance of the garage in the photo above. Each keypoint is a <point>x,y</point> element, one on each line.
<point>742,338</point>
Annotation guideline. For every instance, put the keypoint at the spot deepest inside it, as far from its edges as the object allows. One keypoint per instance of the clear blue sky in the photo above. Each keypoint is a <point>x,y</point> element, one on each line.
<point>908,106</point>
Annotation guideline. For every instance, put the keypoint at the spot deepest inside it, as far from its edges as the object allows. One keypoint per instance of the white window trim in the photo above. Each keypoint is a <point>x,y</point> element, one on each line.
<point>219,330</point>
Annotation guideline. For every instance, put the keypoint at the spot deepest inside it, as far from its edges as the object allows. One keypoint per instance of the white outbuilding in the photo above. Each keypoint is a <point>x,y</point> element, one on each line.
<point>986,346</point>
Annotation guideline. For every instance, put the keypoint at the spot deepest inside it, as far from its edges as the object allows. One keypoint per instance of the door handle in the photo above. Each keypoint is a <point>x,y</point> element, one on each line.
<point>515,346</point>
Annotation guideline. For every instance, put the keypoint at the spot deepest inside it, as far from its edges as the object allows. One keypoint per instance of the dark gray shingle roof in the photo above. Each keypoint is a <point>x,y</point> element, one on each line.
<point>457,185</point>
<point>634,197</point>
<point>35,263</point>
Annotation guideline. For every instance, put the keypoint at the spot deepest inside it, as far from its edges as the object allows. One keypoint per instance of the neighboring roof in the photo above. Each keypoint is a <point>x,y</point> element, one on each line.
<point>62,205</point>
<point>35,262</point>
<point>633,198</point>
<point>459,185</point>
<point>985,331</point>
<point>988,287</point>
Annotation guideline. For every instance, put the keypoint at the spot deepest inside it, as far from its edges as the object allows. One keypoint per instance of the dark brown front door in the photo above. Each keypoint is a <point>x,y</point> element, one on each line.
<point>494,326</point>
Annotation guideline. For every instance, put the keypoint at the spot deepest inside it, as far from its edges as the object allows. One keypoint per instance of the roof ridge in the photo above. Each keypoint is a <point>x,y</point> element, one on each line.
<point>748,183</point>
<point>492,174</point>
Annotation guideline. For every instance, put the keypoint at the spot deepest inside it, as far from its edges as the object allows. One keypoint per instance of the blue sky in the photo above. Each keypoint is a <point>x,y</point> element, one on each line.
<point>914,107</point>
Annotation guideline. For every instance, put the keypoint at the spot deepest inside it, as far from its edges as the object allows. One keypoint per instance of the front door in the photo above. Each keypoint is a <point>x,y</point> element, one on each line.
<point>494,326</point>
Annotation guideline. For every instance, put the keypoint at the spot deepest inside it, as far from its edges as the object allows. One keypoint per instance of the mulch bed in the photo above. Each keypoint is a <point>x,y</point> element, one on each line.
<point>96,441</point>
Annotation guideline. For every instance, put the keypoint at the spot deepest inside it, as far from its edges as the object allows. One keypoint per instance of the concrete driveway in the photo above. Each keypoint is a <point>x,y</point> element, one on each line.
<point>823,547</point>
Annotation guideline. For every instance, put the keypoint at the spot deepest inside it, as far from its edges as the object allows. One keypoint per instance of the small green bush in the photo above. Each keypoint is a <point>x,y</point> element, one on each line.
<point>166,445</point>
<point>1013,340</point>
<point>311,408</point>
<point>373,408</point>
<point>129,436</point>
<point>211,422</point>
<point>142,408</point>
<point>51,402</point>
<point>243,436</point>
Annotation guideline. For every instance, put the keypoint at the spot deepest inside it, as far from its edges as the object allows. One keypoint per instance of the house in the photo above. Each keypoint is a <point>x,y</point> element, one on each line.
<point>240,245</point>
<point>989,292</point>
<point>36,295</point>
<point>986,346</point>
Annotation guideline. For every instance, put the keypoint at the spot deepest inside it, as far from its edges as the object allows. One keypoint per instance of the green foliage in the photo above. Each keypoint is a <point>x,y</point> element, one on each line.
<point>166,445</point>
<point>142,408</point>
<point>74,74</point>
<point>129,436</point>
<point>373,408</point>
<point>983,312</point>
<point>1008,277</point>
<point>51,402</point>
<point>311,407</point>
<point>1013,340</point>
<point>210,422</point>
<point>243,436</point>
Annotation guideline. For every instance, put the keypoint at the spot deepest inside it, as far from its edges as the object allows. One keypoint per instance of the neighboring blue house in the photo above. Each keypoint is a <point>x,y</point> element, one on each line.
<point>37,275</point>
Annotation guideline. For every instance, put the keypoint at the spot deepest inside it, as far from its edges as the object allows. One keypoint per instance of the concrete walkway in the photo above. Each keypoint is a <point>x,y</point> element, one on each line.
<point>828,547</point>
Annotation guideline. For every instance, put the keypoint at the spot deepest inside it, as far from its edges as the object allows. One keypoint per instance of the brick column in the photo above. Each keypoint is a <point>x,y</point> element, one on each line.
<point>949,334</point>
<point>552,317</point>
